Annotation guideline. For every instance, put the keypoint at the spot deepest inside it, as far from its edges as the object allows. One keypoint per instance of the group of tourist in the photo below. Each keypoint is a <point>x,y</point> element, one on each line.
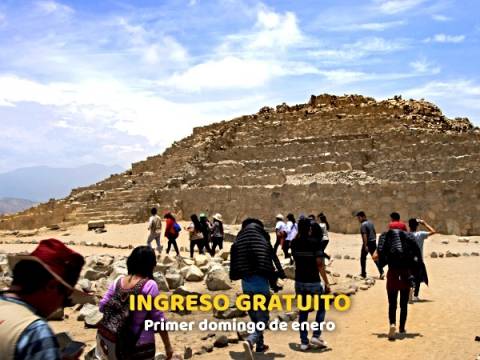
<point>204,234</point>
<point>400,248</point>
<point>44,281</point>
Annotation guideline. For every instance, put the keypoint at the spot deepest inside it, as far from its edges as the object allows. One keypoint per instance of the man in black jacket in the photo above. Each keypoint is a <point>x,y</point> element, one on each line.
<point>252,261</point>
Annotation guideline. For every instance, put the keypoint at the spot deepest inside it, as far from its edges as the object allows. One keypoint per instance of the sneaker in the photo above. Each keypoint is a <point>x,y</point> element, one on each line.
<point>247,347</point>
<point>318,343</point>
<point>305,347</point>
<point>416,298</point>
<point>382,276</point>
<point>402,331</point>
<point>263,349</point>
<point>391,332</point>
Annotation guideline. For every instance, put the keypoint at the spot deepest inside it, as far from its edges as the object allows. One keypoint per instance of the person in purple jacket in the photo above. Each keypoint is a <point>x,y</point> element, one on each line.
<point>140,265</point>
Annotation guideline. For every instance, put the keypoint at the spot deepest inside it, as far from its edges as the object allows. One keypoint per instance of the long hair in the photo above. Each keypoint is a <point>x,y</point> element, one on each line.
<point>196,223</point>
<point>291,218</point>
<point>141,262</point>
<point>323,219</point>
<point>304,227</point>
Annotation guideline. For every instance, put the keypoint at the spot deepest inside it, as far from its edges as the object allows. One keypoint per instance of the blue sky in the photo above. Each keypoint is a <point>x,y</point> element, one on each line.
<point>114,81</point>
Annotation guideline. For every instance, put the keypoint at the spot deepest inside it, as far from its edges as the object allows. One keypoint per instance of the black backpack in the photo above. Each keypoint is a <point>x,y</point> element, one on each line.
<point>116,324</point>
<point>398,249</point>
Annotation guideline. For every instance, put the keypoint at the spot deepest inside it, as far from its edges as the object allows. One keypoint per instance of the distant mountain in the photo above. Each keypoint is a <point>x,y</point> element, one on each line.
<point>11,205</point>
<point>41,183</point>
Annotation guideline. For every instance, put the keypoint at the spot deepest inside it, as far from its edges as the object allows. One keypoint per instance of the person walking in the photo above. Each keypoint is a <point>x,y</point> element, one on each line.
<point>399,250</point>
<point>42,283</point>
<point>217,233</point>
<point>195,235</point>
<point>420,237</point>
<point>280,232</point>
<point>396,223</point>
<point>155,228</point>
<point>325,226</point>
<point>121,334</point>
<point>252,261</point>
<point>369,243</point>
<point>206,231</point>
<point>292,231</point>
<point>171,232</point>
<point>309,263</point>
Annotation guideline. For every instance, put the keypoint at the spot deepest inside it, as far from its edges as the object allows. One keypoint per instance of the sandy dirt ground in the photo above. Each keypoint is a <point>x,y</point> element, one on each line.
<point>442,326</point>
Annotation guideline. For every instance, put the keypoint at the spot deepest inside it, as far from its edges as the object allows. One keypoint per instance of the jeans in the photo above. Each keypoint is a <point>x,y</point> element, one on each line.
<point>258,316</point>
<point>199,244</point>
<point>310,289</point>
<point>372,246</point>
<point>172,240</point>
<point>216,241</point>
<point>392,306</point>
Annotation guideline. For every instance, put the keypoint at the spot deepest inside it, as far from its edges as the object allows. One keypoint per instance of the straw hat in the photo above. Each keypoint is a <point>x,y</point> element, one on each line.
<point>218,217</point>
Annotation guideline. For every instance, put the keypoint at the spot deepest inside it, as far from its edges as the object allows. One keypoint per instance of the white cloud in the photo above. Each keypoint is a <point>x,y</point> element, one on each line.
<point>397,6</point>
<point>441,18</point>
<point>50,7</point>
<point>423,66</point>
<point>444,38</point>
<point>234,72</point>
<point>361,49</point>
<point>446,89</point>
<point>368,26</point>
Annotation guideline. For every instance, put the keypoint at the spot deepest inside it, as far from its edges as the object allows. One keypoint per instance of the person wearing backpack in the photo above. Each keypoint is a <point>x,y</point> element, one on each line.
<point>172,230</point>
<point>217,233</point>
<point>121,334</point>
<point>399,250</point>
<point>206,231</point>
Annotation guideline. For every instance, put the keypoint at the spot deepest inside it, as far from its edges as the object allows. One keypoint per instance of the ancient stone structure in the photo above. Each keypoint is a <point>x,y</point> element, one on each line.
<point>334,154</point>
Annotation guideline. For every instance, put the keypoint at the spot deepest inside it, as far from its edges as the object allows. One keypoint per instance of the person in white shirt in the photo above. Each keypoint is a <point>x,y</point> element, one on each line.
<point>323,222</point>
<point>420,237</point>
<point>281,232</point>
<point>155,228</point>
<point>292,231</point>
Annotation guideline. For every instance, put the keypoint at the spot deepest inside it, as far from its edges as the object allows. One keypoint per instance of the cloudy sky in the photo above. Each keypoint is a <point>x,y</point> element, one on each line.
<point>114,81</point>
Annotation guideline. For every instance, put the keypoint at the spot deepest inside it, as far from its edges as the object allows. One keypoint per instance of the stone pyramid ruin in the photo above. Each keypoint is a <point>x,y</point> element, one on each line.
<point>336,154</point>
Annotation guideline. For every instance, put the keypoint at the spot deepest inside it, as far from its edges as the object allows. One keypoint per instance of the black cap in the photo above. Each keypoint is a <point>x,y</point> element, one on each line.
<point>361,213</point>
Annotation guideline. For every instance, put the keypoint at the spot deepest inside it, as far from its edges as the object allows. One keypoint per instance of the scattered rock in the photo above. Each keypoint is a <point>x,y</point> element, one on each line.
<point>187,352</point>
<point>100,231</point>
<point>289,271</point>
<point>441,255</point>
<point>445,242</point>
<point>346,257</point>
<point>221,342</point>
<point>434,255</point>
<point>218,279</point>
<point>91,274</point>
<point>168,260</point>
<point>463,240</point>
<point>336,274</point>
<point>95,224</point>
<point>194,274</point>
<point>475,254</point>
<point>338,257</point>
<point>90,314</point>
<point>230,313</point>
<point>161,281</point>
<point>201,260</point>
<point>174,280</point>
<point>364,287</point>
<point>184,291</point>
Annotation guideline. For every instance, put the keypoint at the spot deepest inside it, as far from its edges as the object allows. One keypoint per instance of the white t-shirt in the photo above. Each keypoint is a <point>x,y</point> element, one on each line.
<point>280,226</point>
<point>292,231</point>
<point>420,237</point>
<point>324,231</point>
